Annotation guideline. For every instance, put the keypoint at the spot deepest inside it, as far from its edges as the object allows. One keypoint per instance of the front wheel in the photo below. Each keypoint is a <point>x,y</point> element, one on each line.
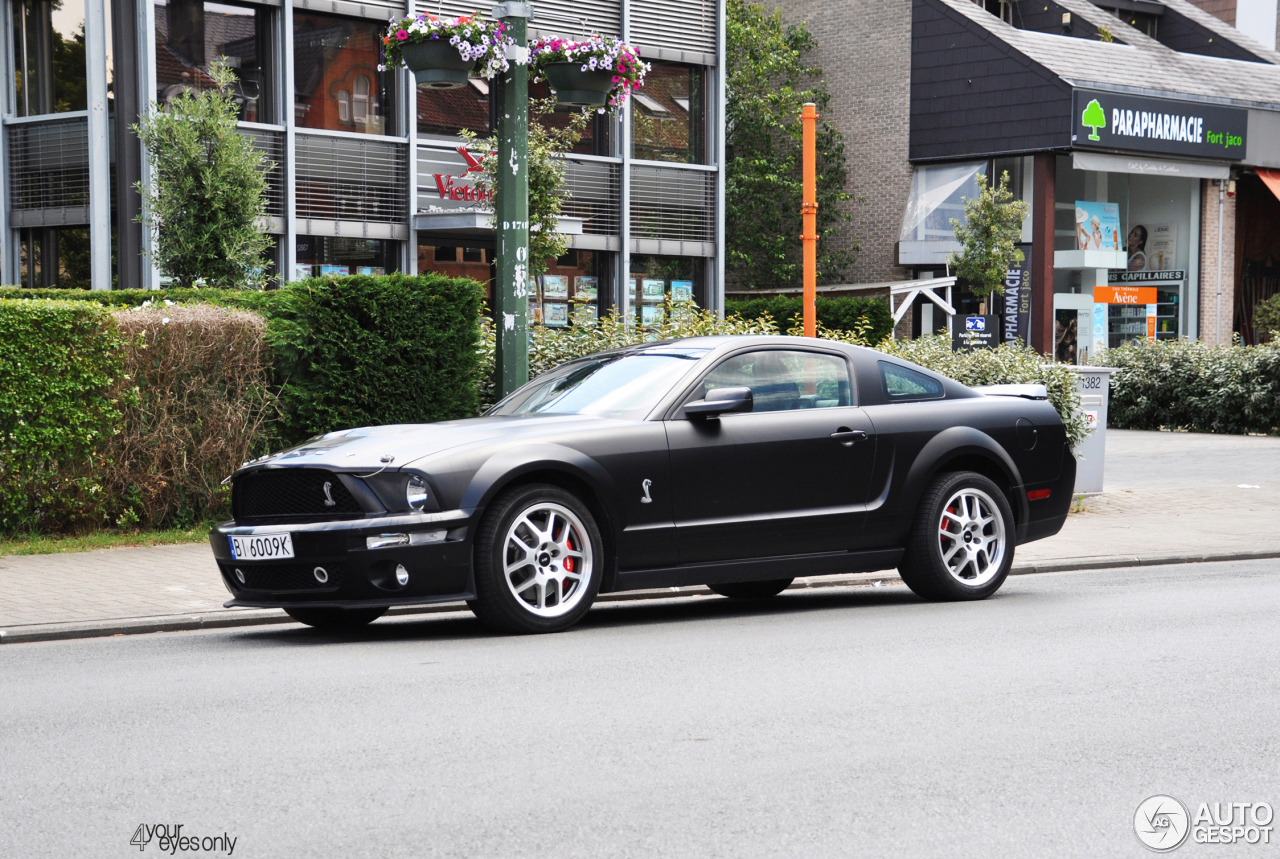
<point>961,545</point>
<point>538,560</point>
<point>752,590</point>
<point>336,618</point>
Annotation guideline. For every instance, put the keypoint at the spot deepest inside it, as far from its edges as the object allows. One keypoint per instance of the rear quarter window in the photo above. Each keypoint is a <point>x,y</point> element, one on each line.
<point>902,384</point>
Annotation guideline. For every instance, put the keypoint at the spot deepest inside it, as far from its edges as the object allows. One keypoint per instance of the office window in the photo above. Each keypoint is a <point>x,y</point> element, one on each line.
<point>191,35</point>
<point>668,115</point>
<point>335,73</point>
<point>49,56</point>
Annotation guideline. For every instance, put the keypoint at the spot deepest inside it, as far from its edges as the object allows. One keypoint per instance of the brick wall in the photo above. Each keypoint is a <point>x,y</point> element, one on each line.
<point>1210,330</point>
<point>1224,9</point>
<point>864,50</point>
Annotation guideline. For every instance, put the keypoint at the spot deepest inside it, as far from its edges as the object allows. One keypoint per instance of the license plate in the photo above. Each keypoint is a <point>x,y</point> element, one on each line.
<point>261,547</point>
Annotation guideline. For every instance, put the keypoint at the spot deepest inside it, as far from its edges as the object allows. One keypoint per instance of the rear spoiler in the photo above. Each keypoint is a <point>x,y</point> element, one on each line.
<point>1027,392</point>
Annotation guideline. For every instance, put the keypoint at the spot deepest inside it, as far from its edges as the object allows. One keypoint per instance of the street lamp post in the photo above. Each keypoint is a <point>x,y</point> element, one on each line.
<point>511,209</point>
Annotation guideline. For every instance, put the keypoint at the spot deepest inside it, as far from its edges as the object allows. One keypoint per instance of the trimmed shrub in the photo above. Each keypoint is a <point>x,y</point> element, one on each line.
<point>845,313</point>
<point>59,371</point>
<point>357,351</point>
<point>200,404</point>
<point>245,299</point>
<point>1189,385</point>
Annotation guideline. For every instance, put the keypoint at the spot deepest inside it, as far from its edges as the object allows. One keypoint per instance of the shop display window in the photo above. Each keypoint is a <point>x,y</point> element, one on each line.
<point>655,278</point>
<point>49,56</point>
<point>570,290</point>
<point>331,256</point>
<point>54,258</point>
<point>191,35</point>
<point>335,69</point>
<point>668,115</point>
<point>937,197</point>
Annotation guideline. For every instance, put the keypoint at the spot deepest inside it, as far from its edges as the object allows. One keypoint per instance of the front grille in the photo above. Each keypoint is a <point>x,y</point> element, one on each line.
<point>282,577</point>
<point>293,492</point>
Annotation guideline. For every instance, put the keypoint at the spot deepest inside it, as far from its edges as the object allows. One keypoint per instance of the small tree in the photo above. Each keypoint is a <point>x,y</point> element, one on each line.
<point>207,196</point>
<point>768,82</point>
<point>1266,317</point>
<point>547,142</point>
<point>992,226</point>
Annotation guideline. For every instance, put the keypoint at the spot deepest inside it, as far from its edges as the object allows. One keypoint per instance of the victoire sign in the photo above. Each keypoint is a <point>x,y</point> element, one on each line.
<point>1108,120</point>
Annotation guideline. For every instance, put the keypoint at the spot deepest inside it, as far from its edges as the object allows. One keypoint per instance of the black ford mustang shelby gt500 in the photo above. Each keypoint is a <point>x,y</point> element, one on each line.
<point>735,462</point>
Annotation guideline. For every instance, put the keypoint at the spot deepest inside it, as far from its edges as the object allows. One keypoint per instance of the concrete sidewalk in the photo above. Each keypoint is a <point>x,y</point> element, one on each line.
<point>1170,497</point>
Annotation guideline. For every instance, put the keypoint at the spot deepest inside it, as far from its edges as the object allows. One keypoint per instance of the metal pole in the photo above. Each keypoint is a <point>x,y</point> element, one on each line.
<point>95,29</point>
<point>718,129</point>
<point>623,302</point>
<point>1217,318</point>
<point>511,209</point>
<point>286,103</point>
<point>9,269</point>
<point>809,216</point>
<point>150,275</point>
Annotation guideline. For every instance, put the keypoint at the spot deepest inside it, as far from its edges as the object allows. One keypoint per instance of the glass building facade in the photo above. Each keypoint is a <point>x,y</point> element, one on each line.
<point>369,175</point>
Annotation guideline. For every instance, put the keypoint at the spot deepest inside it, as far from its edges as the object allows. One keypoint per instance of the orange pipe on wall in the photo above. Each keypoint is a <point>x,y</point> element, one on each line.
<point>809,217</point>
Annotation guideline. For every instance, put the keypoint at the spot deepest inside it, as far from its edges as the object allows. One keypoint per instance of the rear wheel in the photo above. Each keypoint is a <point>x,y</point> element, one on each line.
<point>752,590</point>
<point>961,545</point>
<point>538,560</point>
<point>336,618</point>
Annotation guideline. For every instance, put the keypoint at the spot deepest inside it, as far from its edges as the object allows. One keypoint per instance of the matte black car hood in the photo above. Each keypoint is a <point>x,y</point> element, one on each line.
<point>398,445</point>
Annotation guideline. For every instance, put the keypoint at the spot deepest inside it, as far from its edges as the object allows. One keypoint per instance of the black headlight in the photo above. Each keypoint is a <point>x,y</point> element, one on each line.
<point>404,492</point>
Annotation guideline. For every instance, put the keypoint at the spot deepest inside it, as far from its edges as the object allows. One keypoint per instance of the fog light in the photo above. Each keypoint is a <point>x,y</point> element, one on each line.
<point>321,574</point>
<point>382,541</point>
<point>402,575</point>
<point>419,537</point>
<point>240,575</point>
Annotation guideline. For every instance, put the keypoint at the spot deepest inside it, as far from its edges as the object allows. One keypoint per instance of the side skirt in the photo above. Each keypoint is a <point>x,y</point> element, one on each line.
<point>759,569</point>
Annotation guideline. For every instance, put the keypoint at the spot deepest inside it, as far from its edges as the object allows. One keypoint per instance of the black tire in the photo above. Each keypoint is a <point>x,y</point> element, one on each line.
<point>496,603</point>
<point>924,568</point>
<point>752,590</point>
<point>336,618</point>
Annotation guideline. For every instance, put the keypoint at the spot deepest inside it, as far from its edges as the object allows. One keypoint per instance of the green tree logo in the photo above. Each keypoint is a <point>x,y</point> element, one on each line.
<point>1094,117</point>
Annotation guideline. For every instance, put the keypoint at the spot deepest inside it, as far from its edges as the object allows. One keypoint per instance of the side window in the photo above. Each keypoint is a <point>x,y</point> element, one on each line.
<point>902,384</point>
<point>784,381</point>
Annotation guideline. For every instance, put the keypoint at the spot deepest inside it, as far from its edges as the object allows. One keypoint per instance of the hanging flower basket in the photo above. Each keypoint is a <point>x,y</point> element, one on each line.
<point>442,54</point>
<point>598,72</point>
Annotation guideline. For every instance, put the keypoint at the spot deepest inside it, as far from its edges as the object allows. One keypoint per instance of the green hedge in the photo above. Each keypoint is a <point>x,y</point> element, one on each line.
<point>357,351</point>
<point>839,314</point>
<point>1186,384</point>
<point>59,363</point>
<point>83,445</point>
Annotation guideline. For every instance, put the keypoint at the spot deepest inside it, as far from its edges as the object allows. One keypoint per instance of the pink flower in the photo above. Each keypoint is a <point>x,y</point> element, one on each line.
<point>401,35</point>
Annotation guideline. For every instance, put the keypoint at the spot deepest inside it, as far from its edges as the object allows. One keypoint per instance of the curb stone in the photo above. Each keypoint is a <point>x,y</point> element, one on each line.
<point>260,617</point>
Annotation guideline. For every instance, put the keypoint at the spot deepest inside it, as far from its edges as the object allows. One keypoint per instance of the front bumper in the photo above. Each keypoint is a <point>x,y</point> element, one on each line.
<point>353,576</point>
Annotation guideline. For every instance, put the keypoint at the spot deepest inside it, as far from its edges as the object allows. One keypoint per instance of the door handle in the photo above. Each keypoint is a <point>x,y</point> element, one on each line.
<point>847,437</point>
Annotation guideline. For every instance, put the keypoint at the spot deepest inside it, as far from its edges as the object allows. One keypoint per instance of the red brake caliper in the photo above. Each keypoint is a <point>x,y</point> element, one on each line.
<point>951,510</point>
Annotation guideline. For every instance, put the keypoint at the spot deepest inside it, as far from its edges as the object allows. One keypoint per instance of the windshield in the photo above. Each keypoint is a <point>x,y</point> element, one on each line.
<point>610,386</point>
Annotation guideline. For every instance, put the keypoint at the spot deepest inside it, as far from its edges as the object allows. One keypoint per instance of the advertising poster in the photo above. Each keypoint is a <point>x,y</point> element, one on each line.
<point>1151,247</point>
<point>1097,226</point>
<point>334,270</point>
<point>535,313</point>
<point>586,287</point>
<point>682,290</point>
<point>651,314</point>
<point>587,312</point>
<point>555,286</point>
<point>1099,328</point>
<point>1017,296</point>
<point>303,270</point>
<point>555,315</point>
<point>370,270</point>
<point>654,290</point>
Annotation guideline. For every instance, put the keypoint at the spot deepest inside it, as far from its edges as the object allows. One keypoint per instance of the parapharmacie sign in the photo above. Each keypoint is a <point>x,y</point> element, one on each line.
<point>1107,120</point>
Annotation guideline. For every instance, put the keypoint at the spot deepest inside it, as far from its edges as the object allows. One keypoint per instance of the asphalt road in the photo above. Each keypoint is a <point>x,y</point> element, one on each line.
<point>825,723</point>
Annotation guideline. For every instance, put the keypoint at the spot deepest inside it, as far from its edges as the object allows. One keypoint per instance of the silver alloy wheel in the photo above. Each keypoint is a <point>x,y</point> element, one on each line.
<point>972,533</point>
<point>547,560</point>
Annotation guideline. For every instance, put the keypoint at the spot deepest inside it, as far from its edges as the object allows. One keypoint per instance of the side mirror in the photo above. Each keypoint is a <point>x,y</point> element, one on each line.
<point>719,401</point>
